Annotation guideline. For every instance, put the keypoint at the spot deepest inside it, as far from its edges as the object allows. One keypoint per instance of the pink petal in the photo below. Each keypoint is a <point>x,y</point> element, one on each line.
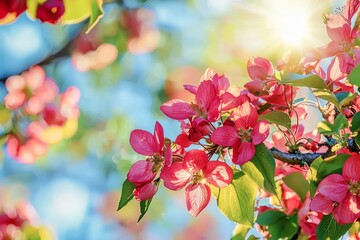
<point>337,68</point>
<point>197,197</point>
<point>177,109</point>
<point>218,174</point>
<point>141,172</point>
<point>205,95</point>
<point>338,28</point>
<point>168,156</point>
<point>348,210</point>
<point>145,192</point>
<point>221,83</point>
<point>225,136</point>
<point>175,177</point>
<point>190,88</point>
<point>351,168</point>
<point>142,142</point>
<point>195,160</point>
<point>183,140</point>
<point>260,132</point>
<point>321,204</point>
<point>243,152</point>
<point>214,110</point>
<point>158,137</point>
<point>245,116</point>
<point>334,187</point>
<point>350,9</point>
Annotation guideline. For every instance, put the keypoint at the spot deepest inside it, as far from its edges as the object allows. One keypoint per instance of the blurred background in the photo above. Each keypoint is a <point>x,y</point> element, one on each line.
<point>138,56</point>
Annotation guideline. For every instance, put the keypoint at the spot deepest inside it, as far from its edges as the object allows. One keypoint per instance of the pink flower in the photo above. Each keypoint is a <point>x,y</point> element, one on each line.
<point>206,105</point>
<point>340,194</point>
<point>143,172</point>
<point>244,135</point>
<point>197,170</point>
<point>308,220</point>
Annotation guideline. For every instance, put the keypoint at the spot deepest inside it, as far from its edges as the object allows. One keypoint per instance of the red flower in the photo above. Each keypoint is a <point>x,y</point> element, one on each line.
<point>12,6</point>
<point>244,135</point>
<point>340,194</point>
<point>197,170</point>
<point>143,172</point>
<point>50,11</point>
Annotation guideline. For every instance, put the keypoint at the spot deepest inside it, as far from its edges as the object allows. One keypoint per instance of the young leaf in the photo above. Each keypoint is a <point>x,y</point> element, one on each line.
<point>261,169</point>
<point>330,229</point>
<point>312,175</point>
<point>355,123</point>
<point>327,128</point>
<point>298,183</point>
<point>237,200</point>
<point>279,224</point>
<point>96,14</point>
<point>297,80</point>
<point>277,117</point>
<point>144,207</point>
<point>240,232</point>
<point>326,95</point>
<point>126,193</point>
<point>354,76</point>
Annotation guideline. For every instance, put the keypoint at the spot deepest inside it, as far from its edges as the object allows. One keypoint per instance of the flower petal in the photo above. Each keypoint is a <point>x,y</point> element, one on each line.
<point>225,136</point>
<point>218,174</point>
<point>260,132</point>
<point>321,204</point>
<point>158,137</point>
<point>145,192</point>
<point>141,172</point>
<point>195,160</point>
<point>205,95</point>
<point>243,152</point>
<point>351,169</point>
<point>175,177</point>
<point>334,187</point>
<point>245,116</point>
<point>142,142</point>
<point>177,109</point>
<point>197,197</point>
<point>348,210</point>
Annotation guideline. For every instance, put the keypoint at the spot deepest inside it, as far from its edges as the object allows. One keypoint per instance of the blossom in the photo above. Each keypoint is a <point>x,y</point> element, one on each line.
<point>143,172</point>
<point>207,103</point>
<point>197,170</point>
<point>244,135</point>
<point>308,220</point>
<point>50,11</point>
<point>340,193</point>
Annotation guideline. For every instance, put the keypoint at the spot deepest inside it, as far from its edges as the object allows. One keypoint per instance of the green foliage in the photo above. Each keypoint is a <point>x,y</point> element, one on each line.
<point>298,80</point>
<point>326,95</point>
<point>354,76</point>
<point>279,224</point>
<point>298,183</point>
<point>240,232</point>
<point>237,200</point>
<point>96,14</point>
<point>126,194</point>
<point>277,117</point>
<point>327,128</point>
<point>144,207</point>
<point>355,123</point>
<point>329,229</point>
<point>261,169</point>
<point>345,98</point>
<point>312,175</point>
<point>333,165</point>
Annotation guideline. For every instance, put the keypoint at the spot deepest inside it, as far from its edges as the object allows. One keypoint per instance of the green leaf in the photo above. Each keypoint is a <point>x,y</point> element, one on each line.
<point>298,183</point>
<point>279,224</point>
<point>355,123</point>
<point>240,232</point>
<point>333,165</point>
<point>5,120</point>
<point>357,140</point>
<point>261,168</point>
<point>236,201</point>
<point>97,13</point>
<point>326,95</point>
<point>126,194</point>
<point>345,98</point>
<point>298,80</point>
<point>354,76</point>
<point>312,175</point>
<point>327,128</point>
<point>144,207</point>
<point>76,11</point>
<point>277,117</point>
<point>329,229</point>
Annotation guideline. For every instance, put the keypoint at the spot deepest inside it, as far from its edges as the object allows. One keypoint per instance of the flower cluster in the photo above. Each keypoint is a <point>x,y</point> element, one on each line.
<point>49,11</point>
<point>41,116</point>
